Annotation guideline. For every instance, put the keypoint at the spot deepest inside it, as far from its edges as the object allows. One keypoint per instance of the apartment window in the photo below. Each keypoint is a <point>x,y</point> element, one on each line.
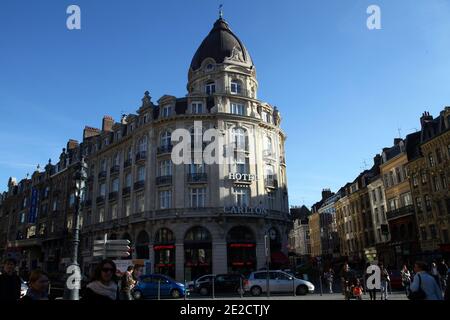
<point>242,196</point>
<point>198,197</point>
<point>239,138</point>
<point>431,160</point>
<point>393,204</point>
<point>391,178</point>
<point>142,144</point>
<point>166,111</point>
<point>114,211</point>
<point>268,147</point>
<point>269,173</point>
<point>374,196</point>
<point>438,155</point>
<point>406,199</point>
<point>380,194</point>
<point>433,232</point>
<point>424,178</point>
<point>210,88</point>
<point>399,175</point>
<point>165,139</point>
<point>444,181</point>
<point>271,199</point>
<point>196,168</point>
<point>415,180</point>
<point>103,165</point>
<point>197,107</point>
<point>115,185</point>
<point>101,215</point>
<point>129,153</point>
<point>165,199</point>
<point>116,160</point>
<point>165,168</point>
<point>238,108</point>
<point>440,207</point>
<point>386,180</point>
<point>242,165</point>
<point>428,202</point>
<point>102,189</point>
<point>141,173</point>
<point>128,180</point>
<point>140,203</point>
<point>235,87</point>
<point>377,218</point>
<point>127,207</point>
<point>55,205</point>
<point>436,184</point>
<point>419,204</point>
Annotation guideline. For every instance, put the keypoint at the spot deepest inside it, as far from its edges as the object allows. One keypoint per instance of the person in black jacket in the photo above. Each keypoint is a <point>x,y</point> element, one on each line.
<point>104,286</point>
<point>9,282</point>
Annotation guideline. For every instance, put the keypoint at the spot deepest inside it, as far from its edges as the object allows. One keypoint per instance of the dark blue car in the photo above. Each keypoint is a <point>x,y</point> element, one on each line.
<point>147,287</point>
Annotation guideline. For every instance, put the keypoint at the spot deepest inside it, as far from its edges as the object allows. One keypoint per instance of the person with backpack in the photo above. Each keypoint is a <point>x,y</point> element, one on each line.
<point>424,286</point>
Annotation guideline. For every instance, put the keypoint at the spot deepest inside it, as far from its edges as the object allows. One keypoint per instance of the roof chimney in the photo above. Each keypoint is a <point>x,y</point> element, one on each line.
<point>397,141</point>
<point>107,123</point>
<point>425,118</point>
<point>326,193</point>
<point>90,132</point>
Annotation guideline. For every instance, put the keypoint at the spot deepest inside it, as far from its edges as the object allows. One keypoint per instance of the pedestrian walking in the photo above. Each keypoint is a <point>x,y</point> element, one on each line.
<point>385,279</point>
<point>9,282</point>
<point>357,290</point>
<point>104,283</point>
<point>38,284</point>
<point>127,284</point>
<point>329,278</point>
<point>443,273</point>
<point>424,286</point>
<point>406,278</point>
<point>435,273</point>
<point>346,279</point>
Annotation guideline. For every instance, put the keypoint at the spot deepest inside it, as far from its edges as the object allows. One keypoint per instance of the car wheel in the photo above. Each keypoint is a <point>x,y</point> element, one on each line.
<point>203,291</point>
<point>175,293</point>
<point>137,295</point>
<point>256,291</point>
<point>302,290</point>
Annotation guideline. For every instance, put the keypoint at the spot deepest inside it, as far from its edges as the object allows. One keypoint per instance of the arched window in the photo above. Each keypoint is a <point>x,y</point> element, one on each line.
<point>164,236</point>
<point>142,145</point>
<point>267,146</point>
<point>165,139</point>
<point>198,234</point>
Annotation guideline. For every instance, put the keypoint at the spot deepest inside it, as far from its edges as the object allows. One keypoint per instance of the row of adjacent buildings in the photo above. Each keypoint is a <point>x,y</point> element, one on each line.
<point>396,211</point>
<point>184,219</point>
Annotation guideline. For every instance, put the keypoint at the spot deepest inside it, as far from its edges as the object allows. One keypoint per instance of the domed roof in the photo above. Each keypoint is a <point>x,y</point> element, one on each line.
<point>219,44</point>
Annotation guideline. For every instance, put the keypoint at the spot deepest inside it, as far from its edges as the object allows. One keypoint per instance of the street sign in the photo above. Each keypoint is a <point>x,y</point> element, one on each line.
<point>111,248</point>
<point>111,254</point>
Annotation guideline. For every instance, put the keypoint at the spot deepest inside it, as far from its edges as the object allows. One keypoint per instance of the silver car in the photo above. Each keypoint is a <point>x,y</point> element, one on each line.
<point>279,282</point>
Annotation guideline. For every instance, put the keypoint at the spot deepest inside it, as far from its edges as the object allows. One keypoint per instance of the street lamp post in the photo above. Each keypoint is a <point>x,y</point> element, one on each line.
<point>74,278</point>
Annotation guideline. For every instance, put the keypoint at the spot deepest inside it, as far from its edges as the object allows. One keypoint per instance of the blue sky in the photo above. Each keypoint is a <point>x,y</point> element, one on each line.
<point>343,90</point>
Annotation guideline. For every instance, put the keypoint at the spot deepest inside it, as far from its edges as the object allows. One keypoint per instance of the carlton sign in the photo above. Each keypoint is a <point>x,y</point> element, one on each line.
<point>245,210</point>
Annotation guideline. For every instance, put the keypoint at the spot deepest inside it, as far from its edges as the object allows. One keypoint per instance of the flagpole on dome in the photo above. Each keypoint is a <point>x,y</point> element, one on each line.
<point>220,11</point>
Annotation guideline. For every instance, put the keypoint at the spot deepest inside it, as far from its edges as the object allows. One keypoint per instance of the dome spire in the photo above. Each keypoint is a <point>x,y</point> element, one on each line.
<point>221,11</point>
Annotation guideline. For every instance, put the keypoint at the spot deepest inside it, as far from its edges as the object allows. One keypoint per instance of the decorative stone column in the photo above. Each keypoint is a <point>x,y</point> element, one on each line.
<point>179,262</point>
<point>219,258</point>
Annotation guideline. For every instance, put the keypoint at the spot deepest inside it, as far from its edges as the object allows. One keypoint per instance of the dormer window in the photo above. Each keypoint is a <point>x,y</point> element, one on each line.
<point>166,111</point>
<point>209,67</point>
<point>197,107</point>
<point>235,87</point>
<point>210,88</point>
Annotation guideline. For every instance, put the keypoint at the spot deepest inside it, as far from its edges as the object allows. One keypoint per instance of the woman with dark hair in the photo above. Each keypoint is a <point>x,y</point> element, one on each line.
<point>104,284</point>
<point>38,286</point>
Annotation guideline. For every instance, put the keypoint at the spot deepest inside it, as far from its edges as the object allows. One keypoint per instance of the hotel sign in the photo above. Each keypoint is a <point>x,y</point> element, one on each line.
<point>245,210</point>
<point>244,177</point>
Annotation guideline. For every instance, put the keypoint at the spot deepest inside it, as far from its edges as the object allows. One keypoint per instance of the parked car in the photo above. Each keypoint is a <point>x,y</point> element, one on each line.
<point>192,284</point>
<point>279,282</point>
<point>223,283</point>
<point>147,287</point>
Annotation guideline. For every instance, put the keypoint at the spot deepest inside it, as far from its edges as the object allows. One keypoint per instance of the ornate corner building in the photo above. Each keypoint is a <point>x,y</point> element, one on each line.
<point>186,219</point>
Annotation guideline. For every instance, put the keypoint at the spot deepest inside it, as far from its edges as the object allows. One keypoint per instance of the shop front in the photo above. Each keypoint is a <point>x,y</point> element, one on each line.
<point>164,252</point>
<point>197,253</point>
<point>241,250</point>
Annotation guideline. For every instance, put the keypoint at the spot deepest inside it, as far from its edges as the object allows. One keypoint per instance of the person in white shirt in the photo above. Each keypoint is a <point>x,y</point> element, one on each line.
<point>427,282</point>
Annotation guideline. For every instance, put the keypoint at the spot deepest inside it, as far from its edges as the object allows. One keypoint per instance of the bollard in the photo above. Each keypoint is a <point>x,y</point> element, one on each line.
<point>159,289</point>
<point>293,286</point>
<point>213,286</point>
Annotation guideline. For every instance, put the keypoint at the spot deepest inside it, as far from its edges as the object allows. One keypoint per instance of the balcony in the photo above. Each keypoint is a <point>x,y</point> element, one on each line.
<point>197,177</point>
<point>271,183</point>
<point>113,195</point>
<point>139,185</point>
<point>163,180</point>
<point>115,169</point>
<point>126,191</point>
<point>127,163</point>
<point>141,156</point>
<point>397,213</point>
<point>164,149</point>
<point>100,199</point>
<point>102,174</point>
